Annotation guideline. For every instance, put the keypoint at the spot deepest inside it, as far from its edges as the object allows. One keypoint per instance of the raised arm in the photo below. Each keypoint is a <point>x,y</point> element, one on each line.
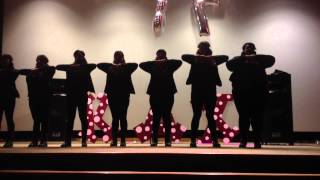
<point>63,67</point>
<point>132,67</point>
<point>104,66</point>
<point>146,66</point>
<point>189,58</point>
<point>174,64</point>
<point>266,61</point>
<point>220,59</point>
<point>233,63</point>
<point>25,72</point>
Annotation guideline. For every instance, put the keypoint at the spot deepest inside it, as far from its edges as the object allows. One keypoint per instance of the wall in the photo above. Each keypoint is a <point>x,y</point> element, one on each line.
<point>287,29</point>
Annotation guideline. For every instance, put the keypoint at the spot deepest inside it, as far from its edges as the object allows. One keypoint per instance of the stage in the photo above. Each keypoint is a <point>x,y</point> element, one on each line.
<point>300,161</point>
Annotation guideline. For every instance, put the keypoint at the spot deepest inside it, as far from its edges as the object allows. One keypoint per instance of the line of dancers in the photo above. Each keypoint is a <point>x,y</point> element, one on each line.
<point>249,89</point>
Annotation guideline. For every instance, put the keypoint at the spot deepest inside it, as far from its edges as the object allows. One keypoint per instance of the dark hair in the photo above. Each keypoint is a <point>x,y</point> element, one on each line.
<point>6,59</point>
<point>251,45</point>
<point>118,57</point>
<point>204,48</point>
<point>79,57</point>
<point>161,54</point>
<point>43,59</point>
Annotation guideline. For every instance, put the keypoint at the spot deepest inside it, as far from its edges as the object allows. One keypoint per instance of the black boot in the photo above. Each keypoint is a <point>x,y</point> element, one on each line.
<point>43,144</point>
<point>193,143</point>
<point>8,144</point>
<point>34,143</point>
<point>154,142</point>
<point>66,144</point>
<point>123,142</point>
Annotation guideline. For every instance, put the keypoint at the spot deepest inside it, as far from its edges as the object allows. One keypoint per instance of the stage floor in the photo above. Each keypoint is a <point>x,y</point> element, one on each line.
<point>181,148</point>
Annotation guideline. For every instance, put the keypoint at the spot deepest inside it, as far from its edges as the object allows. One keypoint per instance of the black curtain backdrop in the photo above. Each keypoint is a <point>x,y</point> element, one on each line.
<point>1,23</point>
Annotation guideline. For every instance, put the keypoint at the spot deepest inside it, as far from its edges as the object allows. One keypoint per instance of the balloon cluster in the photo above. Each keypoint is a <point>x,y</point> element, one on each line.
<point>159,19</point>
<point>202,19</point>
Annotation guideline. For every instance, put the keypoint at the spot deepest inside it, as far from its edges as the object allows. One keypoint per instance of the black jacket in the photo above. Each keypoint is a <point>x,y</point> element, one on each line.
<point>8,86</point>
<point>79,81</point>
<point>249,71</point>
<point>118,77</point>
<point>39,81</point>
<point>161,82</point>
<point>204,71</point>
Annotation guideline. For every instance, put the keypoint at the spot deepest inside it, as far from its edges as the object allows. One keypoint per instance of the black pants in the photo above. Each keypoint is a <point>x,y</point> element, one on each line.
<point>7,105</point>
<point>203,99</point>
<point>74,102</point>
<point>40,108</point>
<point>161,106</point>
<point>250,106</point>
<point>119,106</point>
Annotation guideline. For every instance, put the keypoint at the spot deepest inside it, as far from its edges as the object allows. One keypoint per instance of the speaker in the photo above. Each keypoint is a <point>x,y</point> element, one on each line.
<point>58,110</point>
<point>278,121</point>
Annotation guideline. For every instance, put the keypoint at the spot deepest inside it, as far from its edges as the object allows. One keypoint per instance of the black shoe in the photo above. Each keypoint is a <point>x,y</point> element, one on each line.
<point>193,144</point>
<point>243,145</point>
<point>65,145</point>
<point>257,146</point>
<point>33,144</point>
<point>84,144</point>
<point>216,145</point>
<point>123,144</point>
<point>43,144</point>
<point>113,144</point>
<point>153,144</point>
<point>167,144</point>
<point>8,144</point>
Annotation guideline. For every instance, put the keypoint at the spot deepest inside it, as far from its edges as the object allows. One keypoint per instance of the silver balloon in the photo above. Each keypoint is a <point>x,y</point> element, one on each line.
<point>212,2</point>
<point>159,19</point>
<point>199,10</point>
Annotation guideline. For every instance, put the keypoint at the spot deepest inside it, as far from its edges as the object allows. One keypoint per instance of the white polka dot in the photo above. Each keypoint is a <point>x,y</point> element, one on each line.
<point>220,115</point>
<point>172,123</point>
<point>228,96</point>
<point>105,129</point>
<point>102,124</point>
<point>235,128</point>
<point>150,112</point>
<point>219,95</point>
<point>94,137</point>
<point>100,95</point>
<point>147,128</point>
<point>173,137</point>
<point>199,141</point>
<point>88,118</point>
<point>216,109</point>
<point>96,119</point>
<point>101,104</point>
<point>90,123</point>
<point>161,125</point>
<point>231,134</point>
<point>151,122</point>
<point>91,106</point>
<point>90,112</point>
<point>101,111</point>
<point>107,102</point>
<point>215,117</point>
<point>225,126</point>
<point>226,140</point>
<point>220,121</point>
<point>207,138</point>
<point>208,130</point>
<point>183,128</point>
<point>164,130</point>
<point>145,137</point>
<point>223,132</point>
<point>177,141</point>
<point>138,129</point>
<point>89,132</point>
<point>173,130</point>
<point>95,113</point>
<point>89,101</point>
<point>80,133</point>
<point>109,128</point>
<point>105,138</point>
<point>220,103</point>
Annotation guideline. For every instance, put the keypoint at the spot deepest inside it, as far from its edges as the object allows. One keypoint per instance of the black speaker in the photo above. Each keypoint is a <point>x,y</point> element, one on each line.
<point>278,121</point>
<point>58,110</point>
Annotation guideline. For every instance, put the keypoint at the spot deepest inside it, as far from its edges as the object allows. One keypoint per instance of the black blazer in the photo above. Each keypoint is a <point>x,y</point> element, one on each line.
<point>39,81</point>
<point>79,81</point>
<point>118,77</point>
<point>249,71</point>
<point>161,82</point>
<point>204,71</point>
<point>8,87</point>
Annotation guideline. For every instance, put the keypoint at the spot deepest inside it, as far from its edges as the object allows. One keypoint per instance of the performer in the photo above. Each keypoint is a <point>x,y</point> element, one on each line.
<point>204,77</point>
<point>39,92</point>
<point>249,90</point>
<point>78,84</point>
<point>118,87</point>
<point>161,90</point>
<point>8,95</point>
